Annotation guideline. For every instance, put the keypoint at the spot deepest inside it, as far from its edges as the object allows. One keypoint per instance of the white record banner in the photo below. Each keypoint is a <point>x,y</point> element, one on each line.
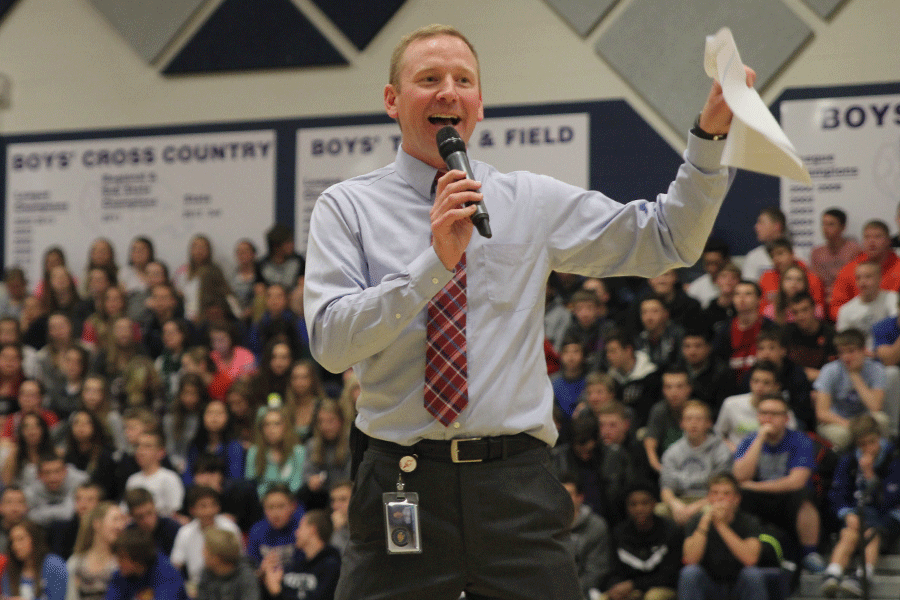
<point>167,188</point>
<point>556,145</point>
<point>851,147</point>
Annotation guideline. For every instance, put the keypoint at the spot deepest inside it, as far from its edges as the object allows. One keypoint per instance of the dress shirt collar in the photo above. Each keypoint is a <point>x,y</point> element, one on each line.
<point>417,174</point>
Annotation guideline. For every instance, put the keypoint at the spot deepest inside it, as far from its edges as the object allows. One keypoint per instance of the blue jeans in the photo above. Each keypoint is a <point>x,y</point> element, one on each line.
<point>695,584</point>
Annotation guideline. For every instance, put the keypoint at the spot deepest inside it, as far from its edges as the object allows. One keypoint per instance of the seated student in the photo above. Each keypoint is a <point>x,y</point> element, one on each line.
<point>886,340</point>
<point>646,553</point>
<point>720,311</point>
<point>689,463</point>
<point>32,571</point>
<point>583,458</point>
<point>664,424</point>
<point>136,420</point>
<point>736,341</point>
<point>52,497</point>
<point>30,397</point>
<point>227,573</point>
<point>877,246</point>
<point>144,516</point>
<point>738,415</point>
<point>660,336</point>
<point>721,548</point>
<point>13,510</point>
<point>275,457</point>
<point>716,255</point>
<point>92,563</point>
<point>144,572</point>
<point>810,340</point>
<point>793,283</point>
<point>164,484</point>
<point>187,552</point>
<point>873,472</point>
<point>313,571</point>
<point>274,534</point>
<point>682,309</point>
<point>708,374</point>
<point>599,390</point>
<point>781,251</point>
<point>796,388</point>
<point>774,466</point>
<point>638,378</point>
<point>591,325</point>
<point>588,538</point>
<point>340,506</point>
<point>622,460</point>
<point>63,534</point>
<point>569,382</point>
<point>771,224</point>
<point>238,496</point>
<point>871,305</point>
<point>850,386</point>
<point>827,260</point>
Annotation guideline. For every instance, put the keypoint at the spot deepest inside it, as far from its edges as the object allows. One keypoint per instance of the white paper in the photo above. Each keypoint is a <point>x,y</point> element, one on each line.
<point>755,141</point>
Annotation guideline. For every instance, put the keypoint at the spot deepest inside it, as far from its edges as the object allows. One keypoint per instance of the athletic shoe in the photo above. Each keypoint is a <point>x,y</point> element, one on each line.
<point>814,563</point>
<point>830,586</point>
<point>852,586</point>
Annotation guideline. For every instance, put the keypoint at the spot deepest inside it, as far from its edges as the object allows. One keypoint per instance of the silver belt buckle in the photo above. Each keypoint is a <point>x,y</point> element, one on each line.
<point>454,450</point>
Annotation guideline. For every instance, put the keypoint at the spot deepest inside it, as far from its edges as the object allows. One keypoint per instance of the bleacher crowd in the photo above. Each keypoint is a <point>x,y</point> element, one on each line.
<point>167,429</point>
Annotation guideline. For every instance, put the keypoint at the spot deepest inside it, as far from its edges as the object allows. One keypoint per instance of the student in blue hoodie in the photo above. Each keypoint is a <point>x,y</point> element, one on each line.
<point>275,533</point>
<point>144,572</point>
<point>313,572</point>
<point>872,471</point>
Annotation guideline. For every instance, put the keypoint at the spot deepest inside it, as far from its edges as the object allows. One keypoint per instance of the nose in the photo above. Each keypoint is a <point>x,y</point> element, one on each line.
<point>447,91</point>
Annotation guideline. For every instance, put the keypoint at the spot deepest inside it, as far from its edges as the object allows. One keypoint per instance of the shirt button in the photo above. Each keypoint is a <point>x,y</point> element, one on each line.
<point>397,315</point>
<point>434,280</point>
<point>456,426</point>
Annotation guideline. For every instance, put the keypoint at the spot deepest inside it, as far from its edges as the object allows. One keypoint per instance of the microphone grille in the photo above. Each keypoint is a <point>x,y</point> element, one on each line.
<point>448,141</point>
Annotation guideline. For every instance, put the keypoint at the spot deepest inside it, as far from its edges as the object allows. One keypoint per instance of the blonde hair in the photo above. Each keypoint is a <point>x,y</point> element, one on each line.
<point>86,532</point>
<point>223,544</point>
<point>428,31</point>
<point>285,446</point>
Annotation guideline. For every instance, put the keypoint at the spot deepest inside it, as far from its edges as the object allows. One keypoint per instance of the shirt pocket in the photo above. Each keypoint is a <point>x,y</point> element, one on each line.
<point>511,282</point>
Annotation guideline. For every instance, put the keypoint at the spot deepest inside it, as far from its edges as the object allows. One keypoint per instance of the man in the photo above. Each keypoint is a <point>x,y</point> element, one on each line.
<point>588,539</point>
<point>827,260</point>
<point>664,425</point>
<point>639,379</point>
<point>716,255</point>
<point>720,311</point>
<point>871,305</point>
<point>877,245</point>
<point>281,265</point>
<point>810,340</point>
<point>781,251</point>
<point>52,497</point>
<point>13,509</point>
<point>770,225</point>
<point>144,572</point>
<point>721,548</point>
<point>709,376</point>
<point>313,571</point>
<point>773,466</point>
<point>736,341</point>
<point>380,250</point>
<point>143,515</point>
<point>796,388</point>
<point>590,324</point>
<point>661,337</point>
<point>62,535</point>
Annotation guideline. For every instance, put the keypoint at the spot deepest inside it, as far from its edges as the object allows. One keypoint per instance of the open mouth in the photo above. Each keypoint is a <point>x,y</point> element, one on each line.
<point>444,120</point>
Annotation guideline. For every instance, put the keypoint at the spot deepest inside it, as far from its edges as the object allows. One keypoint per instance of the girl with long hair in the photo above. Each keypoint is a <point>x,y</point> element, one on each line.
<point>32,442</point>
<point>95,400</point>
<point>273,374</point>
<point>793,281</point>
<point>327,454</point>
<point>275,457</point>
<point>134,276</point>
<point>175,333</point>
<point>243,411</point>
<point>216,437</point>
<point>88,449</point>
<point>11,377</point>
<point>93,563</point>
<point>304,394</point>
<point>32,571</point>
<point>181,424</point>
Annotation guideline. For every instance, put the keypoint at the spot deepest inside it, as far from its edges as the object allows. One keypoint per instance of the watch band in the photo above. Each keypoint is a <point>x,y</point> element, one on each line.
<point>705,135</point>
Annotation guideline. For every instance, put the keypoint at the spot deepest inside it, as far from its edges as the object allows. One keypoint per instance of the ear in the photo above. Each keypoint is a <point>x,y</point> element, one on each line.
<point>481,109</point>
<point>390,101</point>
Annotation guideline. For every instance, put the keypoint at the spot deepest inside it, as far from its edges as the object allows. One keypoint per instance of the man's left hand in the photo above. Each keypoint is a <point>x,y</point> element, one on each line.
<point>716,116</point>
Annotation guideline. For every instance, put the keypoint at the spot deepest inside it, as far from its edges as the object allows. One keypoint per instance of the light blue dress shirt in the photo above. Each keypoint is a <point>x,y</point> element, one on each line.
<point>371,271</point>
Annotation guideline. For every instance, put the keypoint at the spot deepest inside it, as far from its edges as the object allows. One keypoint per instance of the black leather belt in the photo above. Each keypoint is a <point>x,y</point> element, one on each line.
<point>464,450</point>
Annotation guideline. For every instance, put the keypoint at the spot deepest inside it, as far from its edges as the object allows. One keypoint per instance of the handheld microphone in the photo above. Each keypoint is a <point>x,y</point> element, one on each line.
<point>453,150</point>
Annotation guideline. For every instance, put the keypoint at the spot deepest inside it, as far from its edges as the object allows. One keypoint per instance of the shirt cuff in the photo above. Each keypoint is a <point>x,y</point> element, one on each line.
<point>428,275</point>
<point>706,155</point>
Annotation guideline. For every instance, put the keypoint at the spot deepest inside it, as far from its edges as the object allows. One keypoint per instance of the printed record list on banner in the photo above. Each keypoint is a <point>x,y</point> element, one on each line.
<point>167,188</point>
<point>851,147</point>
<point>555,145</point>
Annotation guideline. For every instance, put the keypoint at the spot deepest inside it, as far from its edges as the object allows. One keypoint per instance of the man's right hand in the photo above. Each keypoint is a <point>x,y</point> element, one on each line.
<point>451,226</point>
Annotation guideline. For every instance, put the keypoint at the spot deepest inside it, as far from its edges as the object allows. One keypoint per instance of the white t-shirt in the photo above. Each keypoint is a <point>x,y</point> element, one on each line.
<point>756,263</point>
<point>188,547</point>
<point>863,315</point>
<point>738,419</point>
<point>703,290</point>
<point>165,486</point>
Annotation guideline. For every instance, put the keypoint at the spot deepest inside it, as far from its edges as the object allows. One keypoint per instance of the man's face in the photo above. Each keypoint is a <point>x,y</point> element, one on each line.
<point>148,452</point>
<point>53,474</point>
<point>726,281</point>
<point>775,414</point>
<point>613,429</point>
<point>724,494</point>
<point>640,507</point>
<point>763,383</point>
<point>29,396</point>
<point>340,499</point>
<point>144,517</point>
<point>598,395</point>
<point>876,242</point>
<point>618,357</point>
<point>804,314</point>
<point>831,227</point>
<point>766,228</point>
<point>86,499</point>
<point>745,298</point>
<point>654,315</point>
<point>278,509</point>
<point>438,85</point>
<point>852,356</point>
<point>782,258</point>
<point>572,356</point>
<point>868,280</point>
<point>205,509</point>
<point>586,313</point>
<point>162,300</point>
<point>713,263</point>
<point>13,506</point>
<point>695,350</point>
<point>676,389</point>
<point>695,422</point>
<point>770,350</point>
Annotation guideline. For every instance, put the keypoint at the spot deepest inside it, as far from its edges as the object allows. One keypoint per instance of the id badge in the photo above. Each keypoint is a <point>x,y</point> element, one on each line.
<point>401,516</point>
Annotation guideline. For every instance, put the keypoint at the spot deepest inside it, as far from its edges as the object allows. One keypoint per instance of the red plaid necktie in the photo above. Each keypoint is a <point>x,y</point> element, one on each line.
<point>446,367</point>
